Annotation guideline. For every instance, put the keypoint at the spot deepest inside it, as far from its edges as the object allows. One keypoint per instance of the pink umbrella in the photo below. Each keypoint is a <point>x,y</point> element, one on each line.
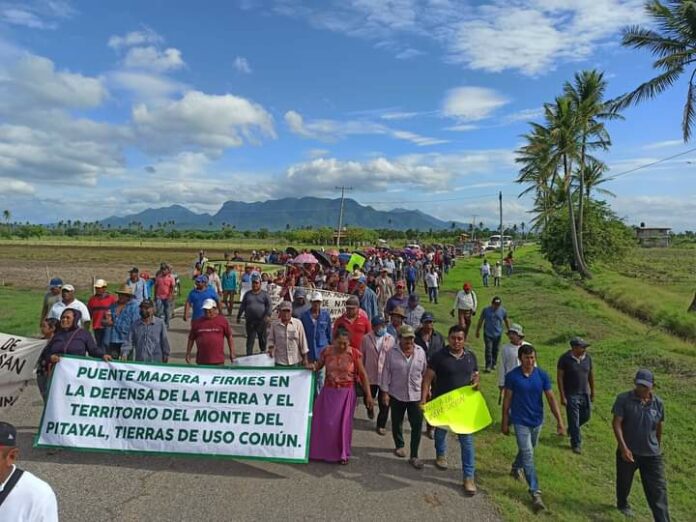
<point>305,258</point>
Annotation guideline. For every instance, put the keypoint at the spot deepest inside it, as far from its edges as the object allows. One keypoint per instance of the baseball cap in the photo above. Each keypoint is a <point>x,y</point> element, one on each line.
<point>300,292</point>
<point>209,304</point>
<point>147,303</point>
<point>377,320</point>
<point>398,311</point>
<point>285,305</point>
<point>496,300</point>
<point>407,331</point>
<point>55,282</point>
<point>516,328</point>
<point>210,267</point>
<point>201,279</point>
<point>67,288</point>
<point>255,277</point>
<point>353,301</point>
<point>467,286</point>
<point>100,283</point>
<point>427,316</point>
<point>8,435</point>
<point>316,296</point>
<point>362,279</point>
<point>579,341</point>
<point>645,378</point>
<point>134,270</point>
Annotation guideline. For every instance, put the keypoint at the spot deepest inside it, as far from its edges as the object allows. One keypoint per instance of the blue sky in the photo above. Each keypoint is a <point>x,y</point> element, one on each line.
<point>113,107</point>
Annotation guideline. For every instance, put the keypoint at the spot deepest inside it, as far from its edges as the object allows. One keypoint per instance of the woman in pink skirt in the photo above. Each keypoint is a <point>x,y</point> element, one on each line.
<point>332,421</point>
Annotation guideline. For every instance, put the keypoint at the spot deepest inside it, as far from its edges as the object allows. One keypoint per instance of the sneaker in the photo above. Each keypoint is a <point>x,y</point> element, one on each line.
<point>400,452</point>
<point>441,462</point>
<point>627,512</point>
<point>577,450</point>
<point>537,503</point>
<point>416,463</point>
<point>381,431</point>
<point>469,487</point>
<point>517,473</point>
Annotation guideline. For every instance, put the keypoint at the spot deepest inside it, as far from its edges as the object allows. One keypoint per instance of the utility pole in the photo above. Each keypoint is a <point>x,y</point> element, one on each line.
<point>473,228</point>
<point>500,203</point>
<point>340,214</point>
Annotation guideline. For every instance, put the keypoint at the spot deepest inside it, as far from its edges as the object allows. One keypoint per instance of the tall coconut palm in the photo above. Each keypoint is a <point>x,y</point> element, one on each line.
<point>673,42</point>
<point>586,93</point>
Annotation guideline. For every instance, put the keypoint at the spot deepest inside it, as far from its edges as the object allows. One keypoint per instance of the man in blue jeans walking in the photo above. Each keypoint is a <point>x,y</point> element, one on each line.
<point>451,368</point>
<point>523,407</point>
<point>575,379</point>
<point>492,319</point>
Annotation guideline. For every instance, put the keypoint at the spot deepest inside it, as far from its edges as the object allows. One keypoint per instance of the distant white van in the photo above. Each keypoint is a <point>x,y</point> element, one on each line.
<point>493,242</point>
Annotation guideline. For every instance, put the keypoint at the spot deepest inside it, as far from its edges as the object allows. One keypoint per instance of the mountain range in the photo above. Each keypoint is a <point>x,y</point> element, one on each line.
<point>280,214</point>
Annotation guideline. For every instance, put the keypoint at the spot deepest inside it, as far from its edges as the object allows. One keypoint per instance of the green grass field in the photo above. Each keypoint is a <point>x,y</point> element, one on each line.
<point>552,310</point>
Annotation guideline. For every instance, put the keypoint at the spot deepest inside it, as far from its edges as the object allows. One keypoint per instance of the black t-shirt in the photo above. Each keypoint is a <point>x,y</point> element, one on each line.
<point>452,373</point>
<point>640,422</point>
<point>575,374</point>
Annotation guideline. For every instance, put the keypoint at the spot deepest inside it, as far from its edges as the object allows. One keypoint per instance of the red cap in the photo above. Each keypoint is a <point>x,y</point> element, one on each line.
<point>467,286</point>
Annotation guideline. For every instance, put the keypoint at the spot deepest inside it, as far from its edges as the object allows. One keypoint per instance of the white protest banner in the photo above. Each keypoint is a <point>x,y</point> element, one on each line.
<point>261,360</point>
<point>18,356</point>
<point>334,302</point>
<point>226,412</point>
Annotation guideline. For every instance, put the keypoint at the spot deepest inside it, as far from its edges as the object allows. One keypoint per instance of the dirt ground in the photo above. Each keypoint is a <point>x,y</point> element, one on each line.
<point>33,266</point>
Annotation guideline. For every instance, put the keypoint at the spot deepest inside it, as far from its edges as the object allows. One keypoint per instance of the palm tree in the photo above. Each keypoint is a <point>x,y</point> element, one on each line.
<point>591,110</point>
<point>673,43</point>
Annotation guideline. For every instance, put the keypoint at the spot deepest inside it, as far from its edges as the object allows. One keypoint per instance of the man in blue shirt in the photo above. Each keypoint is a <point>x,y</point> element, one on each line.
<point>317,326</point>
<point>368,298</point>
<point>492,319</point>
<point>138,285</point>
<point>523,407</point>
<point>194,301</point>
<point>229,287</point>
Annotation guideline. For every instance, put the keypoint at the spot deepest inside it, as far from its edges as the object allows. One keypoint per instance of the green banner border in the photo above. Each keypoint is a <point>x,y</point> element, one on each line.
<point>220,456</point>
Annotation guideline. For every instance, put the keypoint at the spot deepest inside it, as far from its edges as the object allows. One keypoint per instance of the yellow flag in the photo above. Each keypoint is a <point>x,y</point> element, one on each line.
<point>355,259</point>
<point>463,410</point>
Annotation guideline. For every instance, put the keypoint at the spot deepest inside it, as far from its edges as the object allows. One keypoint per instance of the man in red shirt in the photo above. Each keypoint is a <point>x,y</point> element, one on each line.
<point>98,305</point>
<point>210,332</point>
<point>164,292</point>
<point>355,322</point>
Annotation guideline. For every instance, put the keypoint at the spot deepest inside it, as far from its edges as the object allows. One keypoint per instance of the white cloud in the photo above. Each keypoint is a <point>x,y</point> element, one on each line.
<point>663,144</point>
<point>36,14</point>
<point>241,64</point>
<point>530,36</point>
<point>332,130</point>
<point>524,115</point>
<point>678,213</point>
<point>34,82</point>
<point>471,103</point>
<point>135,38</point>
<point>464,127</point>
<point>402,115</point>
<point>144,85</point>
<point>153,59</point>
<point>210,122</point>
<point>18,16</point>
<point>16,187</point>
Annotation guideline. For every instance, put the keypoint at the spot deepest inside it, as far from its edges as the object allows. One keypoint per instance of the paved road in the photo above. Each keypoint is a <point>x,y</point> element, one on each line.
<point>376,485</point>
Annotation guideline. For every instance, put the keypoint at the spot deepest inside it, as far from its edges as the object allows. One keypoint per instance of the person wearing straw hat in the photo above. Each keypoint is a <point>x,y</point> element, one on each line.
<point>638,423</point>
<point>121,316</point>
<point>396,320</point>
<point>98,306</point>
<point>24,497</point>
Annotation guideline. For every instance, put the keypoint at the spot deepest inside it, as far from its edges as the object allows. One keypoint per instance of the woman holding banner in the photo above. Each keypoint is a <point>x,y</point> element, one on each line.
<point>332,421</point>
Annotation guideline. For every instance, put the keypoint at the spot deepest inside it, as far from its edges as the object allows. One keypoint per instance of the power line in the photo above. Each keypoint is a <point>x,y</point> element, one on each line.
<point>624,173</point>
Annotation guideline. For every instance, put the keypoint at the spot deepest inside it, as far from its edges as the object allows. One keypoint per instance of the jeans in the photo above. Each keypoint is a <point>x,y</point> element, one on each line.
<point>527,439</point>
<point>496,281</point>
<point>410,286</point>
<point>492,345</point>
<point>432,294</point>
<point>99,337</point>
<point>383,412</point>
<point>415,419</point>
<point>254,330</point>
<point>485,279</point>
<point>466,445</point>
<point>578,413</point>
<point>163,306</point>
<point>652,475</point>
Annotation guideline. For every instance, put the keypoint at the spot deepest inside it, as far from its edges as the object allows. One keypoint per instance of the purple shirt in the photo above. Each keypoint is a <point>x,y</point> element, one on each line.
<point>401,376</point>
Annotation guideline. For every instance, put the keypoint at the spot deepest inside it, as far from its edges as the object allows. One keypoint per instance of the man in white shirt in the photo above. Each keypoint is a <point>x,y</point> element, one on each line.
<point>67,293</point>
<point>432,280</point>
<point>509,359</point>
<point>465,304</point>
<point>287,341</point>
<point>23,496</point>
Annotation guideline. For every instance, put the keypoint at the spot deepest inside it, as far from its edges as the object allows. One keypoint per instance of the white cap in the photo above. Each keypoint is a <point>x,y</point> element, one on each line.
<point>69,288</point>
<point>316,296</point>
<point>209,304</point>
<point>100,283</point>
